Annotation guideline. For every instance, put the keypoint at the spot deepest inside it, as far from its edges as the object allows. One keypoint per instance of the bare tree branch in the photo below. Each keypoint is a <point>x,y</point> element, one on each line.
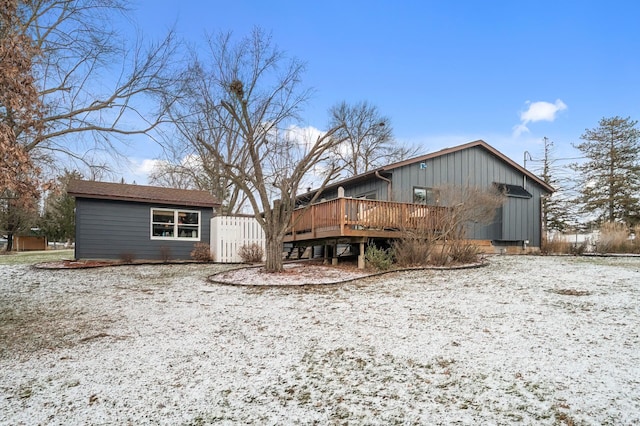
<point>369,138</point>
<point>78,48</point>
<point>249,93</point>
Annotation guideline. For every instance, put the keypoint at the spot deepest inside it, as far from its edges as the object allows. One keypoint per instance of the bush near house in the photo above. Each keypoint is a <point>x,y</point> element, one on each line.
<point>127,257</point>
<point>378,257</point>
<point>414,248</point>
<point>251,253</point>
<point>201,252</point>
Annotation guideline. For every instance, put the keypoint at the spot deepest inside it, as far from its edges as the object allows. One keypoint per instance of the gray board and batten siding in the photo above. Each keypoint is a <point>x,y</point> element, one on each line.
<point>115,229</point>
<point>115,220</point>
<point>473,165</point>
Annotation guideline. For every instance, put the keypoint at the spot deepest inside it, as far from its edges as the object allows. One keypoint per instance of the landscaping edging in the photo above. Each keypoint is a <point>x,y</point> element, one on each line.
<point>213,280</point>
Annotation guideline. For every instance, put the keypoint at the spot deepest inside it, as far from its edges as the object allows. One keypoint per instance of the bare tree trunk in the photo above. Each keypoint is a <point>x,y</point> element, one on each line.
<point>274,252</point>
<point>9,242</point>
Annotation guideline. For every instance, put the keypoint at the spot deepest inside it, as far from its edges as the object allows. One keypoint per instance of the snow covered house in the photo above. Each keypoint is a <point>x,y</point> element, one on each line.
<point>116,221</point>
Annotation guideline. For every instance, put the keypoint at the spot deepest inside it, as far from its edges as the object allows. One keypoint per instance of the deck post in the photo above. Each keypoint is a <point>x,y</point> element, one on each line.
<point>342,216</point>
<point>334,258</point>
<point>361,256</point>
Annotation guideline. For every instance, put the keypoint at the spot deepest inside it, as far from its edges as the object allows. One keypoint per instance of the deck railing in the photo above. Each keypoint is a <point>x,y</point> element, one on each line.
<point>356,216</point>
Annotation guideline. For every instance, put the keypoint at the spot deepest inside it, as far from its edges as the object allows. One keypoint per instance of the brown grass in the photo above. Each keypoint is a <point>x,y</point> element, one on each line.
<point>26,329</point>
<point>555,245</point>
<point>614,238</point>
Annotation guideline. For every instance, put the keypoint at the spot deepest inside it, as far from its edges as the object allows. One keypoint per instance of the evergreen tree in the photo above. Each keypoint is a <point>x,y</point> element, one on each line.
<point>556,208</point>
<point>58,219</point>
<point>610,177</point>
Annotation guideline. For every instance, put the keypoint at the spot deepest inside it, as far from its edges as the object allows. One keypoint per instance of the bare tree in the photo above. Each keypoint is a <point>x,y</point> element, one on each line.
<point>174,175</point>
<point>193,104</point>
<point>445,226</point>
<point>94,87</point>
<point>368,138</point>
<point>466,205</point>
<point>260,97</point>
<point>70,84</point>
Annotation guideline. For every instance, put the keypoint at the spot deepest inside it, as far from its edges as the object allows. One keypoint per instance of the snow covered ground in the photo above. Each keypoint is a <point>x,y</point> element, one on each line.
<point>532,340</point>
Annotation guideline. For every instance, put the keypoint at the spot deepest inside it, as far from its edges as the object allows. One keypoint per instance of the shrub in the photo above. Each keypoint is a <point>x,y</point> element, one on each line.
<point>165,254</point>
<point>635,243</point>
<point>378,258</point>
<point>439,258</point>
<point>252,253</point>
<point>201,252</point>
<point>578,248</point>
<point>614,238</point>
<point>560,245</point>
<point>557,245</point>
<point>463,252</point>
<point>127,257</point>
<point>412,249</point>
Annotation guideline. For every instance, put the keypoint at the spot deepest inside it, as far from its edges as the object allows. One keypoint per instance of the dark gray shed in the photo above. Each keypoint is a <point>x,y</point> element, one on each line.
<point>475,164</point>
<point>116,221</point>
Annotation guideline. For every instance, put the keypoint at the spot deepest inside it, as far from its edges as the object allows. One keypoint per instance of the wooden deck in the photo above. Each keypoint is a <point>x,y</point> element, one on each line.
<point>354,218</point>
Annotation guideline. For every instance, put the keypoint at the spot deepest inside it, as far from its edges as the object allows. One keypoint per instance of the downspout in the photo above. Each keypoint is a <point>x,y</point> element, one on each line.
<point>389,193</point>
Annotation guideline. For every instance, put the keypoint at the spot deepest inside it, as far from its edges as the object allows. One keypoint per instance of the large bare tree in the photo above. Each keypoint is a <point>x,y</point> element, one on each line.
<point>193,105</point>
<point>94,86</point>
<point>260,96</point>
<point>368,135</point>
<point>71,85</point>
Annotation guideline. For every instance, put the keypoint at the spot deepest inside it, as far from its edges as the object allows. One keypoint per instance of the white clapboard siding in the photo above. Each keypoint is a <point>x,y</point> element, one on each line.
<point>229,233</point>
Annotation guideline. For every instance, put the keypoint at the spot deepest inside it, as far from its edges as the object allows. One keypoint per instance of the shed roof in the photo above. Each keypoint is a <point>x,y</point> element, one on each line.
<point>140,193</point>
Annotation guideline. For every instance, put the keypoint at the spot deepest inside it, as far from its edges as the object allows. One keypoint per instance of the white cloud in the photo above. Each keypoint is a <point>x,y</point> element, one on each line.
<point>538,111</point>
<point>146,166</point>
<point>137,170</point>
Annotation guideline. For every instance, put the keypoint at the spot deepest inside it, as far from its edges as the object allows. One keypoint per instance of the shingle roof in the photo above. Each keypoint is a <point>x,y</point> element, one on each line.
<point>140,193</point>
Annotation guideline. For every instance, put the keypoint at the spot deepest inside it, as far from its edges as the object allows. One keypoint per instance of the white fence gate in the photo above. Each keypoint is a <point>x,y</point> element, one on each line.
<point>229,233</point>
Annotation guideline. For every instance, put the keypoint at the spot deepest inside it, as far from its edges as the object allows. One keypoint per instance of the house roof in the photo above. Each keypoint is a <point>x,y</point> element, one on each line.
<point>140,193</point>
<point>479,143</point>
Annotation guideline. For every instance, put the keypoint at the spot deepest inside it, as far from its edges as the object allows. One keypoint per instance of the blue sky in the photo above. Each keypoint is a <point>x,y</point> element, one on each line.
<point>445,72</point>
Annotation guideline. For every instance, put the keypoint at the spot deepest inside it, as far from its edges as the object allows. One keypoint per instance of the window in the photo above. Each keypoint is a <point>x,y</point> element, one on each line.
<point>175,224</point>
<point>428,196</point>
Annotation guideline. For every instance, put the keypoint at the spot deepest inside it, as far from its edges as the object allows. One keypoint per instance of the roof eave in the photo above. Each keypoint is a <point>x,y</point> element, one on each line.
<point>436,154</point>
<point>142,200</point>
<point>472,144</point>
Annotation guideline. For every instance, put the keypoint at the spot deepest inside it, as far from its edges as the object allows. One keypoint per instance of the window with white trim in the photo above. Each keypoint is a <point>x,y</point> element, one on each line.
<point>167,224</point>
